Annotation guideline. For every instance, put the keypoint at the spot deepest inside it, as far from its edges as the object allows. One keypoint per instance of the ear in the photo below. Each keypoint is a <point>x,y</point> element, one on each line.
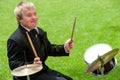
<point>19,19</point>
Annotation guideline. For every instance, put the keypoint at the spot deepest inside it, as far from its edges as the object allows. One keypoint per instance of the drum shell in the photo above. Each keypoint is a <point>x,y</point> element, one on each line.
<point>107,67</point>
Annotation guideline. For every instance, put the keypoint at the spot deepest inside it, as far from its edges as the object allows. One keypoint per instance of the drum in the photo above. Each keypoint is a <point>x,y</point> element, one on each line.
<point>92,53</point>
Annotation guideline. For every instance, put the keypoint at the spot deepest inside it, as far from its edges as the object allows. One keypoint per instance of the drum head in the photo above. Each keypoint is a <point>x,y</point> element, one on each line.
<point>92,53</point>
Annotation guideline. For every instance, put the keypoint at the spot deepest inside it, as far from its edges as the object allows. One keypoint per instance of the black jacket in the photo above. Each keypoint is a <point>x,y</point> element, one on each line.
<point>19,48</point>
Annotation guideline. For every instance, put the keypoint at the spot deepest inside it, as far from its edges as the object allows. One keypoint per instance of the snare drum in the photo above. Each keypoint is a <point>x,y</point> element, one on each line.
<point>92,53</point>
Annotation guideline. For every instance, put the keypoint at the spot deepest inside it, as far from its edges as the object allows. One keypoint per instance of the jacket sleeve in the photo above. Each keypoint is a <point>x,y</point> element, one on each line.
<point>54,49</point>
<point>15,54</point>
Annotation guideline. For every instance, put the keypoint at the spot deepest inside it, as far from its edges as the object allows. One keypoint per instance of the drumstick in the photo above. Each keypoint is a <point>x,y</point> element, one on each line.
<point>35,53</point>
<point>73,29</point>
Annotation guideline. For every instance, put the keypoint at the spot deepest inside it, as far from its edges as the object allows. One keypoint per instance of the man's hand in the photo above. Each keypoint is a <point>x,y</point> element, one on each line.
<point>37,61</point>
<point>69,44</point>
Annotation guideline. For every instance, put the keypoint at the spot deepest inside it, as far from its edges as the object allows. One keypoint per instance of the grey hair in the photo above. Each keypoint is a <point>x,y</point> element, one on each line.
<point>20,6</point>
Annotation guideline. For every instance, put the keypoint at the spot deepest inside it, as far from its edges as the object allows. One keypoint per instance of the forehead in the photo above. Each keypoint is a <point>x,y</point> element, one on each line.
<point>28,10</point>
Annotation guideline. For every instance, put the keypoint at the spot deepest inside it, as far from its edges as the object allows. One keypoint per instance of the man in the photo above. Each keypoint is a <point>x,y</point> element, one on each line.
<point>20,51</point>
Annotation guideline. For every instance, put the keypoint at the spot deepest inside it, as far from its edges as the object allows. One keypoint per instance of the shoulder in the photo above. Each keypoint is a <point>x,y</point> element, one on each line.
<point>17,35</point>
<point>41,31</point>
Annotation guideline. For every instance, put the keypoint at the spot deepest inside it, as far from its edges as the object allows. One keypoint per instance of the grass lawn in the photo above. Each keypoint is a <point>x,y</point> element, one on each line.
<point>98,21</point>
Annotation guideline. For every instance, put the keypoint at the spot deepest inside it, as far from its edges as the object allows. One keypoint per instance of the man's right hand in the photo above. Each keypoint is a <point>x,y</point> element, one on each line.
<point>37,61</point>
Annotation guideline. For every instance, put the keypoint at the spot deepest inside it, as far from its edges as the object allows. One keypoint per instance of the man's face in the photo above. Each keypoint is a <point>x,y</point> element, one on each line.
<point>29,18</point>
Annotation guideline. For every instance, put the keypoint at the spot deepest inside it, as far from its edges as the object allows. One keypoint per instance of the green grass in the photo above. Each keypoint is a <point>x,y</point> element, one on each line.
<point>98,21</point>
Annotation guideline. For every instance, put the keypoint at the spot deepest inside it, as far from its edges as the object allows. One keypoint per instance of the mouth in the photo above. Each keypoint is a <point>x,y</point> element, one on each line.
<point>34,22</point>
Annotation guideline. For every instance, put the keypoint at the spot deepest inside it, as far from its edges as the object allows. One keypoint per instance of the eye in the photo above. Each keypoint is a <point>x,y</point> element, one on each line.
<point>35,14</point>
<point>29,15</point>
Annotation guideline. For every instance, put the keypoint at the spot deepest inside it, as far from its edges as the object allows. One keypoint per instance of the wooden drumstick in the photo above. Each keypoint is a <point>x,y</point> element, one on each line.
<point>33,48</point>
<point>73,29</point>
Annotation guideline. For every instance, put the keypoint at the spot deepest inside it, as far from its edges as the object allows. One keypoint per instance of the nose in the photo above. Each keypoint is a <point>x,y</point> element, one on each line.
<point>34,16</point>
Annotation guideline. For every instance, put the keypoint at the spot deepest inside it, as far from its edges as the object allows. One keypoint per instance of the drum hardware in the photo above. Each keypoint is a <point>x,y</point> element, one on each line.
<point>102,65</point>
<point>27,69</point>
<point>101,61</point>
